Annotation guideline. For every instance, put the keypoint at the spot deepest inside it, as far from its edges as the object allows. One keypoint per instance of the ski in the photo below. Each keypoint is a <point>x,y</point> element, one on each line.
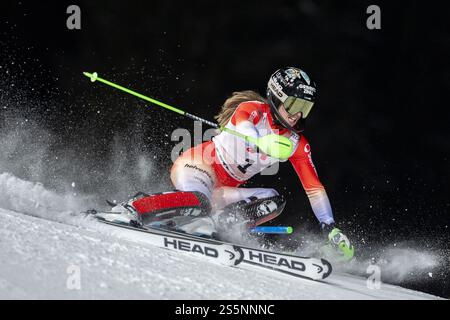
<point>222,253</point>
<point>306,267</point>
<point>232,254</point>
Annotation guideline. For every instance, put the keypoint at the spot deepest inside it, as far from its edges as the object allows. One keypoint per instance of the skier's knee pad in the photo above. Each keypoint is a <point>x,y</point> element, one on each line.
<point>266,209</point>
<point>165,205</point>
<point>258,211</point>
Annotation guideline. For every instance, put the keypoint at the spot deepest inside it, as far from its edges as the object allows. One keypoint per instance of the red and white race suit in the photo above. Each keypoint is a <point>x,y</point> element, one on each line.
<point>217,168</point>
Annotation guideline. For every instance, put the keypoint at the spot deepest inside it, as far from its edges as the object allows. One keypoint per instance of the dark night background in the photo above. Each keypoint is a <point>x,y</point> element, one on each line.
<point>379,130</point>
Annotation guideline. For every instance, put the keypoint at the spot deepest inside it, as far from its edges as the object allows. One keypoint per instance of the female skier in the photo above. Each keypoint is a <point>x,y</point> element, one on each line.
<point>207,177</point>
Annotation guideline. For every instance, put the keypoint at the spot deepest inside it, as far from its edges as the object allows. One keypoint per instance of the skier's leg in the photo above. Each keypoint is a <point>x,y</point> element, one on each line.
<point>252,206</point>
<point>192,173</point>
<point>194,180</point>
<point>143,208</point>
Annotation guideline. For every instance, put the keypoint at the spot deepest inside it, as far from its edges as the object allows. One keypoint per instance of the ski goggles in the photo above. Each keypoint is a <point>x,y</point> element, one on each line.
<point>294,105</point>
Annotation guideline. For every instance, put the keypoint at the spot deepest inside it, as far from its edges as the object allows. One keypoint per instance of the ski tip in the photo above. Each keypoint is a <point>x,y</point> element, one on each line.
<point>92,76</point>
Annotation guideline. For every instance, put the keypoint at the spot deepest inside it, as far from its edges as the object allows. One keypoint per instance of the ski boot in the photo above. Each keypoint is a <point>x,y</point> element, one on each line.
<point>338,246</point>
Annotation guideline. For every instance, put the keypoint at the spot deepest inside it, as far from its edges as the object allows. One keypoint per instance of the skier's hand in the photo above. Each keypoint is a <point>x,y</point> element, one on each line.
<point>337,242</point>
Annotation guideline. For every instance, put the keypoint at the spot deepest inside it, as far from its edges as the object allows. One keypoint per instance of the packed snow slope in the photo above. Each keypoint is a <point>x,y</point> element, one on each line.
<point>39,258</point>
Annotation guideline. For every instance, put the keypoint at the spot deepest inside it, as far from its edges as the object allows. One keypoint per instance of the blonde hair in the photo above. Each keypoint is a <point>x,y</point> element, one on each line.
<point>230,105</point>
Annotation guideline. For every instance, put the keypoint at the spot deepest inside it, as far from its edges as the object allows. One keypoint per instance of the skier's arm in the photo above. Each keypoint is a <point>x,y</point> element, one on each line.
<point>244,118</point>
<point>304,167</point>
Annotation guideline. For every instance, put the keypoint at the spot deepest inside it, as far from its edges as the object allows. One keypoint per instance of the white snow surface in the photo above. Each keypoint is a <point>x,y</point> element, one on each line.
<point>41,246</point>
<point>37,256</point>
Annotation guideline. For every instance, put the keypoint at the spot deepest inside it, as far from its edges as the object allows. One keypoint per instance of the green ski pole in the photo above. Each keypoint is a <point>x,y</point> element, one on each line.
<point>274,145</point>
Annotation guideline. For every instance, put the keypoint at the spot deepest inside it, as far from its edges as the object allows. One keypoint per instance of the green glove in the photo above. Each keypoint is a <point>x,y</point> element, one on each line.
<point>338,243</point>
